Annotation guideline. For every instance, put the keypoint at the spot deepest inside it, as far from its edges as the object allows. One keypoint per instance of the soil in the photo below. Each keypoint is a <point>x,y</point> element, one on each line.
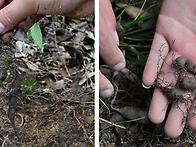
<point>131,101</point>
<point>54,104</point>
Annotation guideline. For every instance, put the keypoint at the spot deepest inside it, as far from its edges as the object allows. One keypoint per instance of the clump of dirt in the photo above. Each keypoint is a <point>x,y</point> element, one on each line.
<point>47,98</point>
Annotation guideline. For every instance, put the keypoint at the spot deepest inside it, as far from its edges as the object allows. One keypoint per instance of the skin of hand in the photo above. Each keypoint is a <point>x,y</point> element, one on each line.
<point>176,20</point>
<point>28,12</point>
<point>108,45</point>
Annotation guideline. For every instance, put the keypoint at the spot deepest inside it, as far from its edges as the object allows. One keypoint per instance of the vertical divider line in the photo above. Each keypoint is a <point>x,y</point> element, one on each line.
<point>96,110</point>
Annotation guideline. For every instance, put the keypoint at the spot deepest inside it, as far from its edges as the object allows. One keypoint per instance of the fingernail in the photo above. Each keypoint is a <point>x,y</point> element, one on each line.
<point>107,92</point>
<point>2,28</point>
<point>119,66</point>
<point>146,87</point>
<point>116,37</point>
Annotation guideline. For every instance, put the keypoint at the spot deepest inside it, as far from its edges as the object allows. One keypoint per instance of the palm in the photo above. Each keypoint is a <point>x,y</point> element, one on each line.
<point>176,21</point>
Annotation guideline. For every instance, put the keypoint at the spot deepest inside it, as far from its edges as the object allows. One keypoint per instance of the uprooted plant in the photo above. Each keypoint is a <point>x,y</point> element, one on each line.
<point>181,88</point>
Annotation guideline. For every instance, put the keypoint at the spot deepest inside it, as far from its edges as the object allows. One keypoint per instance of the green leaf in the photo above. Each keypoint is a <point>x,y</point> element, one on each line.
<point>5,61</point>
<point>59,16</point>
<point>35,33</point>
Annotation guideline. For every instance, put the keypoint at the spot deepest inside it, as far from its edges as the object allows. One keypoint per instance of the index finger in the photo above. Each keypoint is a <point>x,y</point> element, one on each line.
<point>154,64</point>
<point>11,15</point>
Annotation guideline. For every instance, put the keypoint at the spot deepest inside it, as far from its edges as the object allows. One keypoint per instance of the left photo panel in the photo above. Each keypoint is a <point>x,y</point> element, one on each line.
<point>47,73</point>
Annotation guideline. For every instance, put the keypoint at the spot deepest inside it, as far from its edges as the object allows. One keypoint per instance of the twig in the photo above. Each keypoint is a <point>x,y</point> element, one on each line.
<point>112,123</point>
<point>85,134</point>
<point>3,142</point>
<point>22,119</point>
<point>140,10</point>
<point>105,105</point>
<point>62,107</point>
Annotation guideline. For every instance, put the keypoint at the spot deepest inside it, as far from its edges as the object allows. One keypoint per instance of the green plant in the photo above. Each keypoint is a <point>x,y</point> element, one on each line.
<point>5,61</point>
<point>28,85</point>
<point>36,34</point>
<point>59,16</point>
<point>139,32</point>
<point>133,31</point>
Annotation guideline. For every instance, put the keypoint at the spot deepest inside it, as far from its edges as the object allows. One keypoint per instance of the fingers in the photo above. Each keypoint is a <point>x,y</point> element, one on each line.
<point>105,87</point>
<point>18,10</point>
<point>25,24</point>
<point>160,48</point>
<point>85,10</point>
<point>108,43</point>
<point>11,15</point>
<point>7,36</point>
<point>105,10</point>
<point>158,107</point>
<point>29,21</point>
<point>192,120</point>
<point>175,122</point>
<point>2,3</point>
<point>159,103</point>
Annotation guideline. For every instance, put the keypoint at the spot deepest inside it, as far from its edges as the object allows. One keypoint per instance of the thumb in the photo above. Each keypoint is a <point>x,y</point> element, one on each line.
<point>15,12</point>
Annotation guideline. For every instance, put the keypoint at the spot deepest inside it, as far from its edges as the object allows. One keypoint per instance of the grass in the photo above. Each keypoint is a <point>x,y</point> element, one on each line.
<point>133,31</point>
<point>113,124</point>
<point>5,61</point>
<point>28,85</point>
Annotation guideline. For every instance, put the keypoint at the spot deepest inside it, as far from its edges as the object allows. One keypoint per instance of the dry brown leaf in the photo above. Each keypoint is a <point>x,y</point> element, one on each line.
<point>31,65</point>
<point>133,11</point>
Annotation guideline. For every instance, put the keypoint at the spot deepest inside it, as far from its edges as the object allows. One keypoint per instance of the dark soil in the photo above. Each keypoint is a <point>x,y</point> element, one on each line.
<point>51,102</point>
<point>129,102</point>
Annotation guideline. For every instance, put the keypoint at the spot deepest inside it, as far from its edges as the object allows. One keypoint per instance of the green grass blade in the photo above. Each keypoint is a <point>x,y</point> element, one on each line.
<point>140,30</point>
<point>122,11</point>
<point>140,55</point>
<point>133,22</point>
<point>121,123</point>
<point>134,4</point>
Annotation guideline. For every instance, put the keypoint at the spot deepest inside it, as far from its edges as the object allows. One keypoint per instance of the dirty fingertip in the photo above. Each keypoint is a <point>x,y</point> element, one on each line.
<point>2,28</point>
<point>107,92</point>
<point>7,37</point>
<point>119,66</point>
<point>173,132</point>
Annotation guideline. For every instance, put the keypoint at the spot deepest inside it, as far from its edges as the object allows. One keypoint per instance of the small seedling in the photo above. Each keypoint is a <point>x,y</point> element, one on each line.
<point>5,61</point>
<point>28,85</point>
<point>36,34</point>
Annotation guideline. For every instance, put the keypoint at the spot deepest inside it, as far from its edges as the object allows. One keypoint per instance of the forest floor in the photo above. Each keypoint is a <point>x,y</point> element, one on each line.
<point>54,104</point>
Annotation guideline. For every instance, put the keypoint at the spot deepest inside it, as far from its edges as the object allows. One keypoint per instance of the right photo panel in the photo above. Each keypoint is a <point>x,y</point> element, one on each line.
<point>147,68</point>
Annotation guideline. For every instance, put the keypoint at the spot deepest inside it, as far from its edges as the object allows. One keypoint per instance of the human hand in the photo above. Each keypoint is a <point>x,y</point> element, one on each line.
<point>14,12</point>
<point>108,45</point>
<point>176,21</point>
